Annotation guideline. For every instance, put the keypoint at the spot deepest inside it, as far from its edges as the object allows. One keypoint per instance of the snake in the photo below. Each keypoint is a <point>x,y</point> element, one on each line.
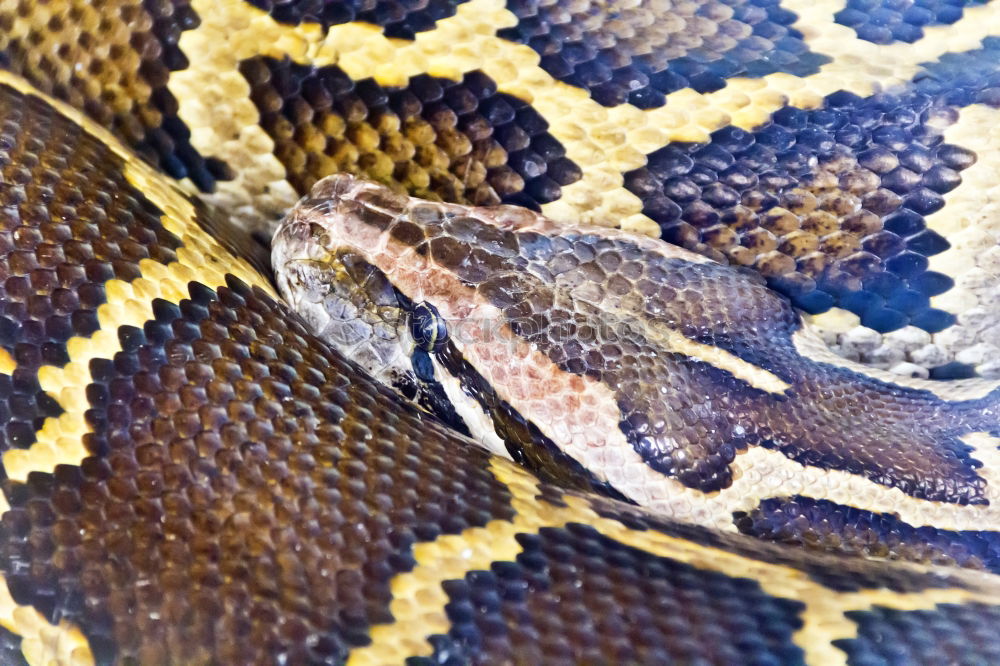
<point>499,331</point>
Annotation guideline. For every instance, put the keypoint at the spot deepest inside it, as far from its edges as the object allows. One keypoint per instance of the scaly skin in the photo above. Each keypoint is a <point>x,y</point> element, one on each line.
<point>681,384</point>
<point>217,485</point>
<point>192,476</point>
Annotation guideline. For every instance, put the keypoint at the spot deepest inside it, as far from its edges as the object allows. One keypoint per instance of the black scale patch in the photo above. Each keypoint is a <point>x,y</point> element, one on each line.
<point>828,205</point>
<point>949,634</point>
<point>399,18</point>
<point>69,223</point>
<point>249,494</point>
<point>638,53</point>
<point>889,21</point>
<point>825,525</point>
<point>10,649</point>
<point>459,141</point>
<point>576,596</point>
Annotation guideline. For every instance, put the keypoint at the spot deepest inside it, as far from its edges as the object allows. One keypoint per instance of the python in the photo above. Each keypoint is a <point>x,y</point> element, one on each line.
<point>191,474</point>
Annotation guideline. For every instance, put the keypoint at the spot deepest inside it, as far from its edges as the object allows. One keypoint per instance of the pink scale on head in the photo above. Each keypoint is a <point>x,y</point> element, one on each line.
<point>707,317</point>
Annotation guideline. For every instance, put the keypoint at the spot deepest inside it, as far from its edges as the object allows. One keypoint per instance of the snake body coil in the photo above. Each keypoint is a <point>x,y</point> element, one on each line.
<point>191,474</point>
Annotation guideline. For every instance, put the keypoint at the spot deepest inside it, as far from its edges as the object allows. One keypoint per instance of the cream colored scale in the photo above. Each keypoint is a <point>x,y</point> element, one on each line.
<point>60,440</point>
<point>419,600</point>
<point>214,102</point>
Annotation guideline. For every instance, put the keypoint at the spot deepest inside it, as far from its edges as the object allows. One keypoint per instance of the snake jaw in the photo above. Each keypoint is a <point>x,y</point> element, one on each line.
<point>612,345</point>
<point>331,279</point>
<point>467,382</point>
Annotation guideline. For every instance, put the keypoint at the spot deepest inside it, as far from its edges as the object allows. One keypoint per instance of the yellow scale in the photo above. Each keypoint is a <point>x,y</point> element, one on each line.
<point>604,142</point>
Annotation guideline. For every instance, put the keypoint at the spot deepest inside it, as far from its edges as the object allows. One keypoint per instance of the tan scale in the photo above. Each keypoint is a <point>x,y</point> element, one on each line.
<point>60,441</point>
<point>453,556</point>
<point>603,142</point>
<point>970,220</point>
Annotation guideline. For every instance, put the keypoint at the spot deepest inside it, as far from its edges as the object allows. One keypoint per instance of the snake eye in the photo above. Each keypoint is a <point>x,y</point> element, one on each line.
<point>427,327</point>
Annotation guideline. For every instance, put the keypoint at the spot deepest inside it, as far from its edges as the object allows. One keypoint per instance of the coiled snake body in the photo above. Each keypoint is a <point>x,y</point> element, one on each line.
<point>193,472</point>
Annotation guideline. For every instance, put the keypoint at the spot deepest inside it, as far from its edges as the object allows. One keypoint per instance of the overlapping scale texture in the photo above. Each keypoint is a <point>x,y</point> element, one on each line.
<point>248,495</point>
<point>561,586</point>
<point>687,418</point>
<point>888,21</point>
<point>622,51</point>
<point>70,222</point>
<point>696,361</point>
<point>829,205</point>
<point>851,574</point>
<point>970,77</point>
<point>112,60</point>
<point>436,138</point>
<point>969,83</point>
<point>399,18</point>
<point>939,636</point>
<point>234,465</point>
<point>824,525</point>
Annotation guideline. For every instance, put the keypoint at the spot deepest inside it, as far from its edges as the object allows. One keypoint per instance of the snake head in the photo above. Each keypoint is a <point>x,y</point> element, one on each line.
<point>643,363</point>
<point>335,266</point>
<point>497,319</point>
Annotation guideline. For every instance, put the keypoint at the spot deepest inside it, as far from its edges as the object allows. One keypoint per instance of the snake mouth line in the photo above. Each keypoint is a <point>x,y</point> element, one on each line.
<point>524,441</point>
<point>444,382</point>
<point>618,350</point>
